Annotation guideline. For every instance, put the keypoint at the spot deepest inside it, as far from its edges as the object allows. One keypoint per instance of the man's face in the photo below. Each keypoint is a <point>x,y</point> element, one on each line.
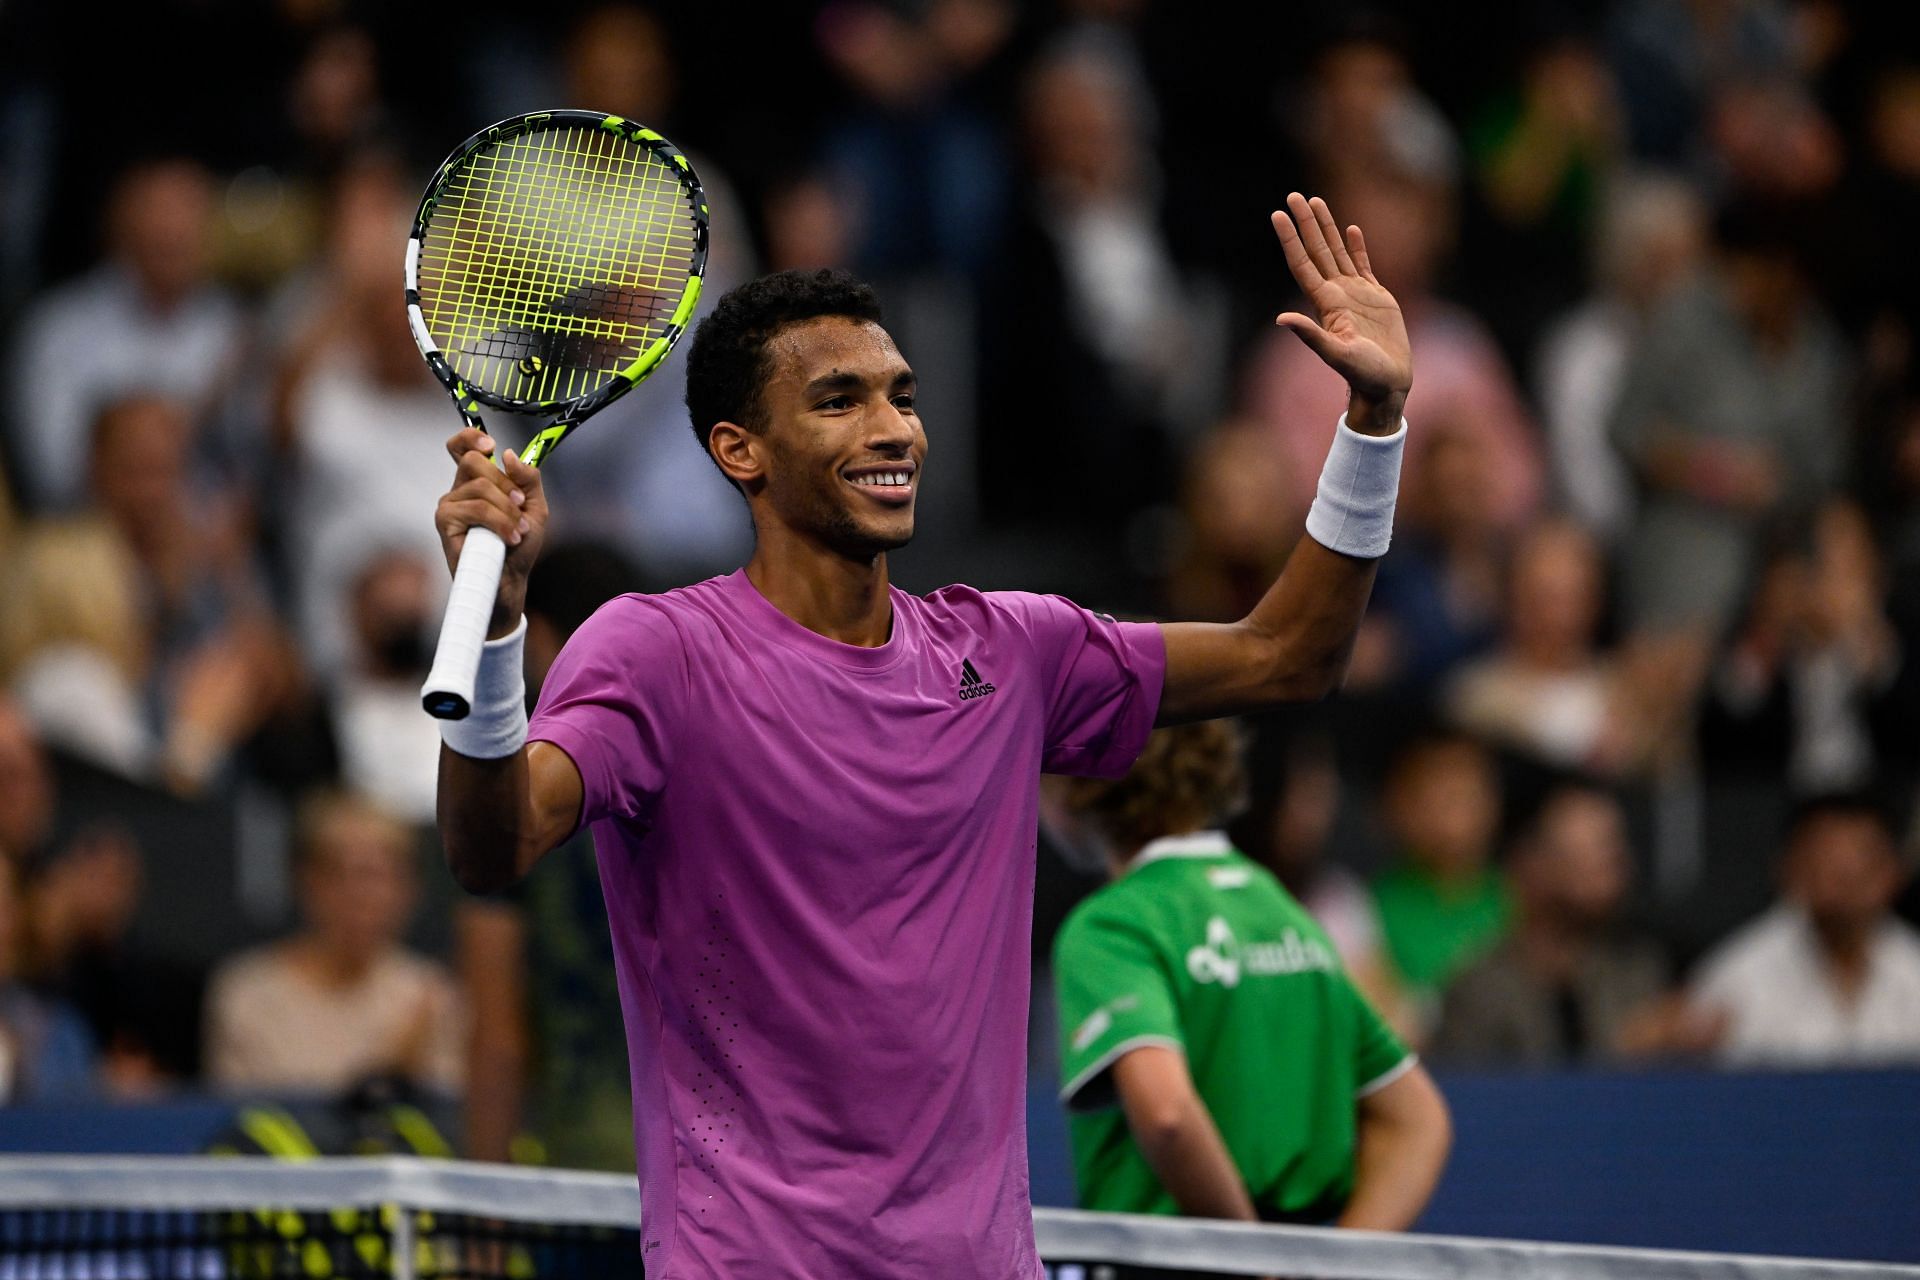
<point>358,886</point>
<point>1580,867</point>
<point>1444,805</point>
<point>1846,872</point>
<point>843,445</point>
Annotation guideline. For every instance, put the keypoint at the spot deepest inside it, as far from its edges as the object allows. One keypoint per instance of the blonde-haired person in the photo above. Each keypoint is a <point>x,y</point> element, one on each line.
<point>344,999</point>
<point>1218,1061</point>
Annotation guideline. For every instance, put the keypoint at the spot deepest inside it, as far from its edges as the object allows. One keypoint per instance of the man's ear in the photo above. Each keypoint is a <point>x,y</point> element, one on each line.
<point>741,453</point>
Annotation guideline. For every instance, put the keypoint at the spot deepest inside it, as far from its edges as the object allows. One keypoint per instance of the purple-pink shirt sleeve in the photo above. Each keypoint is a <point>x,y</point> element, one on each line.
<point>1102,681</point>
<point>613,701</point>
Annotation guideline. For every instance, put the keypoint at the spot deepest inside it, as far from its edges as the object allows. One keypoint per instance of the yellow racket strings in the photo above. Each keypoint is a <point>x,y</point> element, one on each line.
<point>554,259</point>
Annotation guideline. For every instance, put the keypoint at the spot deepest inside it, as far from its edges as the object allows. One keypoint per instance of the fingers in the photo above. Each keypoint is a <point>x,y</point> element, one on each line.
<point>1357,245</point>
<point>1323,222</point>
<point>484,494</point>
<point>1307,221</point>
<point>1305,274</point>
<point>525,479</point>
<point>469,440</point>
<point>465,509</point>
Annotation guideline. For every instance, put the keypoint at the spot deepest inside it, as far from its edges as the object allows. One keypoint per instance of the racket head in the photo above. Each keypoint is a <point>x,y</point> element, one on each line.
<point>555,259</point>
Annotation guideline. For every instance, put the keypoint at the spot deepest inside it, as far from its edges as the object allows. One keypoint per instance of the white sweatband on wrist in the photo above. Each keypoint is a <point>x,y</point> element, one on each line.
<point>497,724</point>
<point>1353,511</point>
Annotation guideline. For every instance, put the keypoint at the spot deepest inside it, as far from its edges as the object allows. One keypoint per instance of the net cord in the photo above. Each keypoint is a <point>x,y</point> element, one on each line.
<point>613,1200</point>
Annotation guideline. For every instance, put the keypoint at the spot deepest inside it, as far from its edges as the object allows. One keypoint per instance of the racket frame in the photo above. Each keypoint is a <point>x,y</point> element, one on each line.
<point>449,689</point>
<point>567,413</point>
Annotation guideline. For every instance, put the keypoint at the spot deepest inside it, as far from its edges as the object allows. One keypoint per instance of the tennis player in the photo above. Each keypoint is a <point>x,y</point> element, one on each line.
<point>814,797</point>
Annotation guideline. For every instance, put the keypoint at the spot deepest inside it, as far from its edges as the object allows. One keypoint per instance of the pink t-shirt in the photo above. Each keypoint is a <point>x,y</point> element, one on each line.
<point>818,864</point>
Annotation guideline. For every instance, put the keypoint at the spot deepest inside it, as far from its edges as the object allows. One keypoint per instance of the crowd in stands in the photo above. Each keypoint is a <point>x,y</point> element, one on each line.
<point>1624,770</point>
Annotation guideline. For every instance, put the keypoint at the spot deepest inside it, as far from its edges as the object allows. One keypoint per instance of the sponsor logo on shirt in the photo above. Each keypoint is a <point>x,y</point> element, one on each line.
<point>1223,958</point>
<point>1100,1021</point>
<point>971,685</point>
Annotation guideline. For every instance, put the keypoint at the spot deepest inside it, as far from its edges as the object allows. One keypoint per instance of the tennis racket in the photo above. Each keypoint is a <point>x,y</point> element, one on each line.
<point>555,260</point>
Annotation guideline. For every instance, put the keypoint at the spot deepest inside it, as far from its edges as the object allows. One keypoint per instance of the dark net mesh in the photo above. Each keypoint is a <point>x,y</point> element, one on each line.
<point>269,1244</point>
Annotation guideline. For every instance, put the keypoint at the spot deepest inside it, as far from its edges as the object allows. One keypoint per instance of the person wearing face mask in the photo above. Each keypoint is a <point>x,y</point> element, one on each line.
<point>385,745</point>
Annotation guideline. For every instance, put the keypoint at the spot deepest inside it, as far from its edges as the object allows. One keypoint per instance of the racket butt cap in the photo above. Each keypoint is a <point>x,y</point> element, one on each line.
<point>445,706</point>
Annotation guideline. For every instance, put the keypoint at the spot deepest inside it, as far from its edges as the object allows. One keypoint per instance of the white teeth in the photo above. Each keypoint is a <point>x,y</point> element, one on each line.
<point>887,478</point>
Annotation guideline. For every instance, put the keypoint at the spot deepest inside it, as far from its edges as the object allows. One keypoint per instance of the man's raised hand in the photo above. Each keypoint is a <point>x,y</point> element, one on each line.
<point>508,499</point>
<point>1360,333</point>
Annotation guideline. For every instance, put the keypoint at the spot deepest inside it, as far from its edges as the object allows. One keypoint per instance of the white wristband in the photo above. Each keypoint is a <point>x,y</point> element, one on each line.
<point>1353,511</point>
<point>497,725</point>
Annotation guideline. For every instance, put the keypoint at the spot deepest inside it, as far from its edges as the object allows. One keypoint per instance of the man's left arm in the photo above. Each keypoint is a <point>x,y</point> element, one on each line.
<point>1295,643</point>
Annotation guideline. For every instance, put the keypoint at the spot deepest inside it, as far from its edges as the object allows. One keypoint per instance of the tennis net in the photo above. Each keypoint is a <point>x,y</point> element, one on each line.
<point>89,1218</point>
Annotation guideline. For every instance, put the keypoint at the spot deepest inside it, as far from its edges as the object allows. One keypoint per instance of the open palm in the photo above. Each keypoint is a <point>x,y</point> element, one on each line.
<point>1360,332</point>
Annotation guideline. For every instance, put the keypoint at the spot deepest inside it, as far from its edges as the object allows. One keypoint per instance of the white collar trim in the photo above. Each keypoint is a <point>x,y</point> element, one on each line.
<point>1198,844</point>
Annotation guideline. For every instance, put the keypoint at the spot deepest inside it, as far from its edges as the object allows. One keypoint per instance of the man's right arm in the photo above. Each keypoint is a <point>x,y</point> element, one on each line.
<point>500,816</point>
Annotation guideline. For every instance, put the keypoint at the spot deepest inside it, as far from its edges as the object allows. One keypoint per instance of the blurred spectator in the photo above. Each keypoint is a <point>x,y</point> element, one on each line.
<point>638,479</point>
<point>143,640</point>
<point>1236,537</point>
<point>1874,287</point>
<point>1088,294</point>
<point>146,321</point>
<point>916,156</point>
<point>1730,414</point>
<point>1293,802</point>
<point>1462,386</point>
<point>1360,115</point>
<point>341,1000</point>
<point>45,1051</point>
<point>353,388</point>
<point>1828,977</point>
<point>71,926</point>
<point>1544,150</point>
<point>331,112</point>
<point>1672,57</point>
<point>806,225</point>
<point>1772,141</point>
<point>546,1060</point>
<point>389,752</point>
<point>1651,235</point>
<point>26,787</point>
<point>1441,903</point>
<point>1436,600</point>
<point>1549,691</point>
<point>1795,693</point>
<point>1180,981</point>
<point>1563,987</point>
<point>141,1009</point>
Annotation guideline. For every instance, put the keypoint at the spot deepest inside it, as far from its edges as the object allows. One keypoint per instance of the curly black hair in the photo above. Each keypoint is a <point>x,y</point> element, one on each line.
<point>728,364</point>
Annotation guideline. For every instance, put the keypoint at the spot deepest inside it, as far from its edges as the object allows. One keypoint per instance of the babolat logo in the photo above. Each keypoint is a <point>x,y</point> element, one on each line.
<point>971,685</point>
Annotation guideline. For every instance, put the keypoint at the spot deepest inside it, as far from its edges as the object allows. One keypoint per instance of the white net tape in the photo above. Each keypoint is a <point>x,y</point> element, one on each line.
<point>1096,1242</point>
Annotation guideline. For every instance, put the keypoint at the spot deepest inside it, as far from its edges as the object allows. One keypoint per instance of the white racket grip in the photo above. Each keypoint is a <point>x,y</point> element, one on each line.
<point>448,692</point>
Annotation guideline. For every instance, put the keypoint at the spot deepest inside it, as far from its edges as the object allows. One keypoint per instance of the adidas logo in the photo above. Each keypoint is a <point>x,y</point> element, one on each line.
<point>971,685</point>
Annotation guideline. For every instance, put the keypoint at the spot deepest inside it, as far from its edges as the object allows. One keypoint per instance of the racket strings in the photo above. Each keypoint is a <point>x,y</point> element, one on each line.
<point>553,260</point>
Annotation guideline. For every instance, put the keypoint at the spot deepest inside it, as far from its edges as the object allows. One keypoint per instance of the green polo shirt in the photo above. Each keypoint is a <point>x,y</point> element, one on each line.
<point>1199,949</point>
<point>1433,931</point>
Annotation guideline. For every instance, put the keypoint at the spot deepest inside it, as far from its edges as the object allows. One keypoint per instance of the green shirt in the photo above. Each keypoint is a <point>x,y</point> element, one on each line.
<point>1433,932</point>
<point>1199,949</point>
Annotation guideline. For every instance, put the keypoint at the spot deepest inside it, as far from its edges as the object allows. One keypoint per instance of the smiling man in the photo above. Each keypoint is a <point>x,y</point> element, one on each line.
<point>814,796</point>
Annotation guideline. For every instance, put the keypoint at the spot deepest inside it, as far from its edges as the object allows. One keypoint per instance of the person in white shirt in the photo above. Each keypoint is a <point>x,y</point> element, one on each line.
<point>1827,977</point>
<point>343,1000</point>
<point>148,319</point>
